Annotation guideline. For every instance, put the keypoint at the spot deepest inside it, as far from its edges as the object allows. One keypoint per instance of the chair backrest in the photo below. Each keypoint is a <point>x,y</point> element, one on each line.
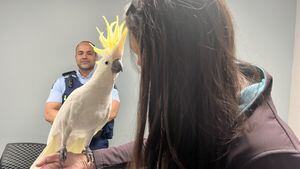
<point>20,155</point>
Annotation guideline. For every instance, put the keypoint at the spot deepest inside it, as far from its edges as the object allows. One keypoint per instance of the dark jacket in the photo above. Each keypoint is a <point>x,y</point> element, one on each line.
<point>267,141</point>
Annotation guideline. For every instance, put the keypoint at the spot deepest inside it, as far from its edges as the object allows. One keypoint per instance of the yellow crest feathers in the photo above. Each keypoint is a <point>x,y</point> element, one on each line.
<point>115,37</point>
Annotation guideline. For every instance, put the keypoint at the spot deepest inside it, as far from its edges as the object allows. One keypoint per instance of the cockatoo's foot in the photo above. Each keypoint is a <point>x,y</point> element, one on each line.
<point>62,156</point>
<point>89,154</point>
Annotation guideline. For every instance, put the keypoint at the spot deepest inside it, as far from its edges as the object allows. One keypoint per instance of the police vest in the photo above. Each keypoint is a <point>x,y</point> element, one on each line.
<point>72,82</point>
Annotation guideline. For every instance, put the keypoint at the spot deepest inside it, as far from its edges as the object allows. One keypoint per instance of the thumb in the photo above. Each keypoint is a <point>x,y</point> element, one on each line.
<point>48,159</point>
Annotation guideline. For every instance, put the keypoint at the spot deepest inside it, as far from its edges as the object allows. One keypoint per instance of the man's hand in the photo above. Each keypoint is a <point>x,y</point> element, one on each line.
<point>74,161</point>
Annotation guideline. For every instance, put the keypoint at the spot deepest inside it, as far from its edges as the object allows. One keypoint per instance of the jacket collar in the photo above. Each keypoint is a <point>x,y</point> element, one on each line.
<point>252,95</point>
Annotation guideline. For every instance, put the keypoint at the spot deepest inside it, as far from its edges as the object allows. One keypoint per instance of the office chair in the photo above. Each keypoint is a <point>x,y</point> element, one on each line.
<point>20,155</point>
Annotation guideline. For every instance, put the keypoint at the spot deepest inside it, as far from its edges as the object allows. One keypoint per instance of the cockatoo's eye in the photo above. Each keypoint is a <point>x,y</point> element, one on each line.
<point>106,62</point>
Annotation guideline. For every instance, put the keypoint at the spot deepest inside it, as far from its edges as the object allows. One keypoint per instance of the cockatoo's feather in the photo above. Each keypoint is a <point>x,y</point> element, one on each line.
<point>115,34</point>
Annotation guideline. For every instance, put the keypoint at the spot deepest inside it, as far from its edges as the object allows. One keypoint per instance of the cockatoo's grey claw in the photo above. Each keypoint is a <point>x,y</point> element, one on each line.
<point>62,156</point>
<point>89,154</point>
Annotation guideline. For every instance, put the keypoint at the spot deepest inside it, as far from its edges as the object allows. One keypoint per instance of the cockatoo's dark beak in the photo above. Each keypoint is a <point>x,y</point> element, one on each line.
<point>117,66</point>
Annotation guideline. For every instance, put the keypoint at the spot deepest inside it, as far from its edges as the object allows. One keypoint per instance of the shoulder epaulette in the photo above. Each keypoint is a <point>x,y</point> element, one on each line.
<point>73,72</point>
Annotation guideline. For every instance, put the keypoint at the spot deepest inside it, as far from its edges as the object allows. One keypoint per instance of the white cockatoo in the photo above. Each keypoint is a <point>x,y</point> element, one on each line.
<point>87,108</point>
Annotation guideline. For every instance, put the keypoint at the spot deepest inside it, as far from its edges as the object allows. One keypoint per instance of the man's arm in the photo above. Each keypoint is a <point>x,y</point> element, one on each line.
<point>51,110</point>
<point>115,106</point>
<point>54,100</point>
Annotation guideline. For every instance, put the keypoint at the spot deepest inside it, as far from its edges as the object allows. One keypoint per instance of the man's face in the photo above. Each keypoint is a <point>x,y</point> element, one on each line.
<point>85,57</point>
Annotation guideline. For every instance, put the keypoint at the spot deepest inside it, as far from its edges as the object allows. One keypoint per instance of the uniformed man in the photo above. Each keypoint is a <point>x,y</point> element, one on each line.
<point>69,81</point>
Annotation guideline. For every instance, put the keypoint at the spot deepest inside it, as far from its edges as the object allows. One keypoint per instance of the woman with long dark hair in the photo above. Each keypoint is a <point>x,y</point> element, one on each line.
<point>205,109</point>
<point>189,82</point>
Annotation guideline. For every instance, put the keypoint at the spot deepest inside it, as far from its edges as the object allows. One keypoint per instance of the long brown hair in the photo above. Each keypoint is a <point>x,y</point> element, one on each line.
<point>189,83</point>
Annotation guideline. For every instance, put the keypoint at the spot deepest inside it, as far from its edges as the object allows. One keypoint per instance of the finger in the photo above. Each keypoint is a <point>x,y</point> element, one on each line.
<point>48,159</point>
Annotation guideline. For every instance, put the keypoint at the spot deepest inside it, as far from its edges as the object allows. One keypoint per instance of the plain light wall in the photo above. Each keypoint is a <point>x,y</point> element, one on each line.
<point>294,115</point>
<point>265,37</point>
<point>37,40</point>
